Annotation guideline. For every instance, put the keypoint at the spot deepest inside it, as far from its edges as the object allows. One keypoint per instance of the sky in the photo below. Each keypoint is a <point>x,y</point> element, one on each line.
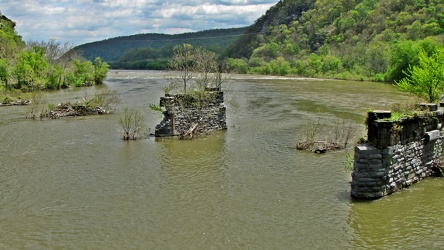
<point>82,21</point>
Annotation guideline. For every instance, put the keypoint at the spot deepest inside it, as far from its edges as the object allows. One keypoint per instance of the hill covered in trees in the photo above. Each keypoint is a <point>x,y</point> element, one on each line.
<point>11,42</point>
<point>349,39</point>
<point>151,51</point>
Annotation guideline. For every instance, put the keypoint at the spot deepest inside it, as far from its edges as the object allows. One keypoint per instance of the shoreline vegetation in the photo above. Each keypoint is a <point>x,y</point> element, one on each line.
<point>32,67</point>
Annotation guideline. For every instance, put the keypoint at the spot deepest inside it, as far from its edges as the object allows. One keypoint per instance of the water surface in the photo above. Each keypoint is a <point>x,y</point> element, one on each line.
<point>73,183</point>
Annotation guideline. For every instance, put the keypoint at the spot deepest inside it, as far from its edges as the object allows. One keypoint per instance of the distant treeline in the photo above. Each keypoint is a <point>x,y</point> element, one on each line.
<point>152,51</point>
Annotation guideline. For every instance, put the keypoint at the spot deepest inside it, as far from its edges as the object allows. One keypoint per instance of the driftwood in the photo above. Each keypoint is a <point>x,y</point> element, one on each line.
<point>16,103</point>
<point>189,133</point>
<point>76,109</point>
<point>322,147</point>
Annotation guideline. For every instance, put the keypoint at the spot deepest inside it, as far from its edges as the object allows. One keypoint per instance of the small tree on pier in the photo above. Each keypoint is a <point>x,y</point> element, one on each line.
<point>196,71</point>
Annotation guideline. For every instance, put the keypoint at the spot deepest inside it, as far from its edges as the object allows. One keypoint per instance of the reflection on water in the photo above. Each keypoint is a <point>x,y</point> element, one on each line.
<point>73,183</point>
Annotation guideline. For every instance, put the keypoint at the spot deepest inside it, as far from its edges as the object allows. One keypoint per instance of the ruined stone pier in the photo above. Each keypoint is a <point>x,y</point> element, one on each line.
<point>397,153</point>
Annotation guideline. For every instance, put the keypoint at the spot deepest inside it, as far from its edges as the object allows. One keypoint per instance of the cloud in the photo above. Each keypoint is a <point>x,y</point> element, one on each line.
<point>82,21</point>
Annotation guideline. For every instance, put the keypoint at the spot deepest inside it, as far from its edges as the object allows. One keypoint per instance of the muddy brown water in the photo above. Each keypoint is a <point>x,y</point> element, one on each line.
<point>72,183</point>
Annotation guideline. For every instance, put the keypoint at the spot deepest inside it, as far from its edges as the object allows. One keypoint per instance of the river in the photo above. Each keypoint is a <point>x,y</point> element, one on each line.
<point>72,183</point>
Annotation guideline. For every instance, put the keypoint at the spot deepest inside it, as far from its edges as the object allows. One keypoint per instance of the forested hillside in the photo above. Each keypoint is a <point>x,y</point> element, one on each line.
<point>11,42</point>
<point>151,51</point>
<point>350,39</point>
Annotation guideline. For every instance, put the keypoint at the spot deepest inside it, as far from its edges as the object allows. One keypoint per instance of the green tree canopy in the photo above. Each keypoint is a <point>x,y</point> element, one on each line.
<point>426,79</point>
<point>100,70</point>
<point>31,68</point>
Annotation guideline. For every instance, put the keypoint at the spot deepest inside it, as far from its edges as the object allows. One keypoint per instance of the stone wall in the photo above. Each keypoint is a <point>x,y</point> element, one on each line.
<point>397,154</point>
<point>181,112</point>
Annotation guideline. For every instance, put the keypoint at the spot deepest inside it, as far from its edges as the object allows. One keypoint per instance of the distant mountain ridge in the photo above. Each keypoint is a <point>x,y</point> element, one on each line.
<point>111,50</point>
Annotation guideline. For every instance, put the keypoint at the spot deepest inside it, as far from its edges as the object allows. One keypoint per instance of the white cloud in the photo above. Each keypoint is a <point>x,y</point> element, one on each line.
<point>82,21</point>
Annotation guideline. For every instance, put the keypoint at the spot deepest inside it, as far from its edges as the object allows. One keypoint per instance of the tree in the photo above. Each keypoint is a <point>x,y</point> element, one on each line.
<point>100,70</point>
<point>405,54</point>
<point>205,66</point>
<point>182,62</point>
<point>31,67</point>
<point>59,57</point>
<point>4,72</point>
<point>43,65</point>
<point>426,79</point>
<point>197,70</point>
<point>82,73</point>
<point>55,77</point>
<point>237,65</point>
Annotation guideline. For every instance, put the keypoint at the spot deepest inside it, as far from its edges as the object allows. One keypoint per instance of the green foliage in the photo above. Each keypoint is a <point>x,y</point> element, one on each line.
<point>45,65</point>
<point>100,70</point>
<point>426,79</point>
<point>10,42</point>
<point>85,73</point>
<point>8,100</point>
<point>349,162</point>
<point>55,76</point>
<point>51,106</point>
<point>237,65</point>
<point>31,67</point>
<point>405,54</point>
<point>156,107</point>
<point>82,74</point>
<point>138,54</point>
<point>4,72</point>
<point>369,39</point>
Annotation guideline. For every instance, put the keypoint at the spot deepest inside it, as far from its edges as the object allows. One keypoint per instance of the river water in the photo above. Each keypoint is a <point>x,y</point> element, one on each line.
<point>72,183</point>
